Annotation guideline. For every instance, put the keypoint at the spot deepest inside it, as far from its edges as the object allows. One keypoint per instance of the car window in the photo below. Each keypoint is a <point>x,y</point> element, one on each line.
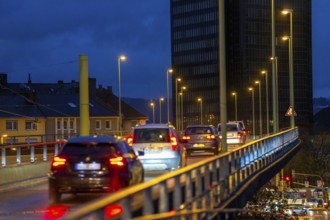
<point>89,148</point>
<point>198,130</point>
<point>151,135</point>
<point>231,127</point>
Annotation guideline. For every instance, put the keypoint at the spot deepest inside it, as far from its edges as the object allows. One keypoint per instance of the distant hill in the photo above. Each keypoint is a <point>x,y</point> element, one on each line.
<point>320,103</point>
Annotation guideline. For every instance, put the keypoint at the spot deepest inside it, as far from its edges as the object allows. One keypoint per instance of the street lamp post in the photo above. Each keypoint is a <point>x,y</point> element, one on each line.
<point>267,115</point>
<point>120,58</point>
<point>235,96</point>
<point>153,111</point>
<point>253,121</point>
<point>177,116</point>
<point>160,109</point>
<point>201,101</point>
<point>182,88</point>
<point>260,111</point>
<point>168,94</point>
<point>291,84</point>
<point>275,95</point>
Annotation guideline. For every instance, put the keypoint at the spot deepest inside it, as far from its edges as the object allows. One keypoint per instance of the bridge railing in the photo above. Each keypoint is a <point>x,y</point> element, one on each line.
<point>207,185</point>
<point>18,154</point>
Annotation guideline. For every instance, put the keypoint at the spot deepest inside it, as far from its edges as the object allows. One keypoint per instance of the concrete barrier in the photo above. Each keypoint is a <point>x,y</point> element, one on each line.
<point>19,173</point>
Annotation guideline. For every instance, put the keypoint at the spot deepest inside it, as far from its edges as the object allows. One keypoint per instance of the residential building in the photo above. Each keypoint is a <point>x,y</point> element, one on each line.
<point>36,112</point>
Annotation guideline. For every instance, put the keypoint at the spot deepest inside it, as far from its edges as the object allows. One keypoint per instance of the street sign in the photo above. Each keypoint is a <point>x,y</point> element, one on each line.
<point>289,112</point>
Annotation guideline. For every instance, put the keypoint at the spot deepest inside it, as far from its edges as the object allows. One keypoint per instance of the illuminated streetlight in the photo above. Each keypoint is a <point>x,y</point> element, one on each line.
<point>177,117</point>
<point>235,95</point>
<point>291,84</point>
<point>201,101</point>
<point>253,121</point>
<point>153,111</point>
<point>275,97</point>
<point>260,112</point>
<point>168,94</point>
<point>181,94</point>
<point>120,58</point>
<point>267,115</point>
<point>160,109</point>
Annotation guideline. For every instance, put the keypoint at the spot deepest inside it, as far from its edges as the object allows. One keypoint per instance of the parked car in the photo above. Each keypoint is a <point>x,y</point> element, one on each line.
<point>201,138</point>
<point>295,210</point>
<point>235,134</point>
<point>93,164</point>
<point>158,146</point>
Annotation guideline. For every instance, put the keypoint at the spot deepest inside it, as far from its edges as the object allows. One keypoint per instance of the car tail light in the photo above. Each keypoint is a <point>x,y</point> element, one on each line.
<point>117,161</point>
<point>211,137</point>
<point>186,138</point>
<point>130,140</point>
<point>173,141</point>
<point>245,132</point>
<point>239,135</point>
<point>58,162</point>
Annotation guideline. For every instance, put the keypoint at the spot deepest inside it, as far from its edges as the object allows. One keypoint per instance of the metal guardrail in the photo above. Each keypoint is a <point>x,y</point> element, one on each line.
<point>26,153</point>
<point>206,185</point>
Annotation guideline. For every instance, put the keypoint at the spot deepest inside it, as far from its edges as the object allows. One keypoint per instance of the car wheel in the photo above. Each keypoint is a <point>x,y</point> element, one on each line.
<point>53,194</point>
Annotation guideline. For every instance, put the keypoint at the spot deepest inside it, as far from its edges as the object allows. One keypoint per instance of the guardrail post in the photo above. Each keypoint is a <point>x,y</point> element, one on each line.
<point>56,150</point>
<point>18,155</point>
<point>32,154</point>
<point>44,154</point>
<point>3,159</point>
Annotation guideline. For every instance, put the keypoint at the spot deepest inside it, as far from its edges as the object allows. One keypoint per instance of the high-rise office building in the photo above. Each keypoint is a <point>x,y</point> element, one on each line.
<point>248,37</point>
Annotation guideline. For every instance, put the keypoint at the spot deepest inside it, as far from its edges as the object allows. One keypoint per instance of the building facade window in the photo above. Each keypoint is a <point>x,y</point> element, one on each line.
<point>108,125</point>
<point>98,125</point>
<point>59,125</point>
<point>11,125</point>
<point>30,125</point>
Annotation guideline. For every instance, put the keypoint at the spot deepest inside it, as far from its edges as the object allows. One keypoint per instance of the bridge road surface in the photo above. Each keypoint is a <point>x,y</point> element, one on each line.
<point>30,202</point>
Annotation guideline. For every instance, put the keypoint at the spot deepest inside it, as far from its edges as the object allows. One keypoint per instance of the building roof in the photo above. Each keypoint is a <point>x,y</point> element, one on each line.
<point>58,100</point>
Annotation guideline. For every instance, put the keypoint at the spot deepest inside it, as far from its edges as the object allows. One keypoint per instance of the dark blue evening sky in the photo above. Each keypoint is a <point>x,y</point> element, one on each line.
<point>46,37</point>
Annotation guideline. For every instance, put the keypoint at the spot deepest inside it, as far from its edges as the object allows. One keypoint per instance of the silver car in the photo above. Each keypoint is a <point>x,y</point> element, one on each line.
<point>158,147</point>
<point>235,134</point>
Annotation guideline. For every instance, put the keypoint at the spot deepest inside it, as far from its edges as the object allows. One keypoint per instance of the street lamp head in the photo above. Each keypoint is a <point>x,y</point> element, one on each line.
<point>178,79</point>
<point>170,70</point>
<point>286,38</point>
<point>273,58</point>
<point>199,99</point>
<point>287,11</point>
<point>161,99</point>
<point>250,89</point>
<point>152,104</point>
<point>184,87</point>
<point>263,72</point>
<point>257,82</point>
<point>122,57</point>
<point>234,93</point>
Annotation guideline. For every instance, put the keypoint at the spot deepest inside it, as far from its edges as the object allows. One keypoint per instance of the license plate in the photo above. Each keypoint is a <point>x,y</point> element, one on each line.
<point>153,149</point>
<point>198,145</point>
<point>87,166</point>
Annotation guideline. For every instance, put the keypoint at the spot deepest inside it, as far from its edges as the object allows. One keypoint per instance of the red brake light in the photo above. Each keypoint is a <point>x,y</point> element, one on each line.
<point>130,140</point>
<point>111,211</point>
<point>58,161</point>
<point>239,135</point>
<point>211,136</point>
<point>118,161</point>
<point>174,143</point>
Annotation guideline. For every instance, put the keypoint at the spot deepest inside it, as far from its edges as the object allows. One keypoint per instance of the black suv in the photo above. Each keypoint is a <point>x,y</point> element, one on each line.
<point>93,164</point>
<point>201,138</point>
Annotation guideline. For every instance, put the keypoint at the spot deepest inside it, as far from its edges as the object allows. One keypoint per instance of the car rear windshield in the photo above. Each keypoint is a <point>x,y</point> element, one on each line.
<point>89,148</point>
<point>198,130</point>
<point>151,135</point>
<point>230,127</point>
